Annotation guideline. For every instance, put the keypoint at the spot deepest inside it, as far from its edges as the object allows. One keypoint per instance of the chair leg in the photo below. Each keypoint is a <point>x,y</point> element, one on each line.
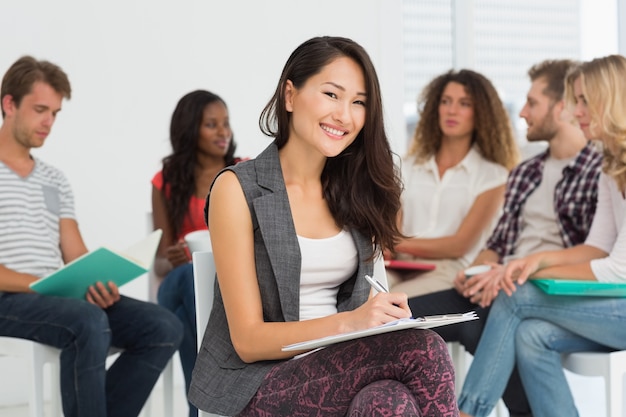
<point>613,390</point>
<point>500,409</point>
<point>459,359</point>
<point>55,393</point>
<point>168,389</point>
<point>36,392</point>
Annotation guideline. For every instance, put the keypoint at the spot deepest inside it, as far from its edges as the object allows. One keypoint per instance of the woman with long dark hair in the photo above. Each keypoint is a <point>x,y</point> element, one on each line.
<point>202,145</point>
<point>294,233</point>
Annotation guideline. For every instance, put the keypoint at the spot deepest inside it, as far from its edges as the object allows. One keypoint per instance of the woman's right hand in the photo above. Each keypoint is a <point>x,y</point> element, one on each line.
<point>177,254</point>
<point>378,310</point>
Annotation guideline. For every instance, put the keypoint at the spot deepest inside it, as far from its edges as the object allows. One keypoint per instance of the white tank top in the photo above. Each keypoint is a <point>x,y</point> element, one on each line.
<point>326,264</point>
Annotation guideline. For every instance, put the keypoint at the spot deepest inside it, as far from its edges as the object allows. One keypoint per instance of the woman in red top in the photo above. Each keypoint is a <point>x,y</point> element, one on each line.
<point>202,145</point>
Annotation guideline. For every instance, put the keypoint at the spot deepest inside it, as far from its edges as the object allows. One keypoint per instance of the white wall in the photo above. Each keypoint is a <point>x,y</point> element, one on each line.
<point>129,61</point>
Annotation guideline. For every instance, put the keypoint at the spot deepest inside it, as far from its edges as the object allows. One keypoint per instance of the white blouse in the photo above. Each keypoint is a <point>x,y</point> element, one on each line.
<point>608,232</point>
<point>434,207</point>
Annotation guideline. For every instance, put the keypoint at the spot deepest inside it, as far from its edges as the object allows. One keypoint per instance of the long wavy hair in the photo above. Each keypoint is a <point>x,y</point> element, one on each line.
<point>361,185</point>
<point>493,134</point>
<point>179,167</point>
<point>604,88</point>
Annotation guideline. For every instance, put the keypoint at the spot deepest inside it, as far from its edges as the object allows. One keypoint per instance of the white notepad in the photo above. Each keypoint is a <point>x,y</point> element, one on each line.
<point>418,323</point>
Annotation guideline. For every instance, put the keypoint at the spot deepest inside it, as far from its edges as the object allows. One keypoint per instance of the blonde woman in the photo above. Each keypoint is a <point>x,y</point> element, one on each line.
<point>454,178</point>
<point>533,328</point>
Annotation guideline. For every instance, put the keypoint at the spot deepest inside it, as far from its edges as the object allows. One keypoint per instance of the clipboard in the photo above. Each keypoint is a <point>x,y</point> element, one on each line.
<point>581,288</point>
<point>102,264</point>
<point>426,322</point>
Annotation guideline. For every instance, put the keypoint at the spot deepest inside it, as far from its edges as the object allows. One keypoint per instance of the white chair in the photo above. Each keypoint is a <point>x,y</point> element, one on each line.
<point>167,376</point>
<point>203,279</point>
<point>611,366</point>
<point>36,356</point>
<point>459,359</point>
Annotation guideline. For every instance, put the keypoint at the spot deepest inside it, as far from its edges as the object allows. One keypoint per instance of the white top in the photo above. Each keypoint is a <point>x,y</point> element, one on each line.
<point>540,229</point>
<point>326,264</point>
<point>30,211</point>
<point>435,207</point>
<point>608,232</point>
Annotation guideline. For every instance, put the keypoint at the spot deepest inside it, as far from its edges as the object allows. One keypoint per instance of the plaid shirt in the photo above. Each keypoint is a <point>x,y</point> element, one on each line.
<point>575,198</point>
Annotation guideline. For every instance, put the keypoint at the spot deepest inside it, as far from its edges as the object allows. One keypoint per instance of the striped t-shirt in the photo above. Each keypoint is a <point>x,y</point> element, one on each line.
<point>30,210</point>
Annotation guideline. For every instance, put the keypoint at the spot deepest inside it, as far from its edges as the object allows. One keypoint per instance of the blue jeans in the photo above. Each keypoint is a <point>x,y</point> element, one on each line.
<point>176,293</point>
<point>534,328</point>
<point>148,334</point>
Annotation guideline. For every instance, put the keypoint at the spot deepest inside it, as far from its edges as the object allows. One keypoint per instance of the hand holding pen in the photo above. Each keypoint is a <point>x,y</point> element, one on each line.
<point>400,307</point>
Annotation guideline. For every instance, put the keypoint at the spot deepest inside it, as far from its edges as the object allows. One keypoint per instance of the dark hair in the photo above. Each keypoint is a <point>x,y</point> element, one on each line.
<point>361,185</point>
<point>554,72</point>
<point>493,134</point>
<point>179,166</point>
<point>20,77</point>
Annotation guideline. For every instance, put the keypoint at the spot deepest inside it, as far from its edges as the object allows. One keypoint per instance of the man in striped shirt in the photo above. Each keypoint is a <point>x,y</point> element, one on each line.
<point>38,234</point>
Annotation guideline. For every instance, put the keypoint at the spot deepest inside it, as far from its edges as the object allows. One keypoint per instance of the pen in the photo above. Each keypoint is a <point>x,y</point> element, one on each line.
<point>375,284</point>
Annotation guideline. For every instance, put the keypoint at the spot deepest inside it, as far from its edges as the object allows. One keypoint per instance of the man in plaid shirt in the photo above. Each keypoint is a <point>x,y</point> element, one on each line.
<point>549,204</point>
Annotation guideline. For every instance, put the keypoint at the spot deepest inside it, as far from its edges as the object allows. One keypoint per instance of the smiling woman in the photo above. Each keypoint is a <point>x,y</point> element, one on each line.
<point>335,111</point>
<point>294,233</point>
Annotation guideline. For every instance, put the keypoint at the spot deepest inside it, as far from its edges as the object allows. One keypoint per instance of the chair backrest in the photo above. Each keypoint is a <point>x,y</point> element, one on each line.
<point>153,279</point>
<point>204,280</point>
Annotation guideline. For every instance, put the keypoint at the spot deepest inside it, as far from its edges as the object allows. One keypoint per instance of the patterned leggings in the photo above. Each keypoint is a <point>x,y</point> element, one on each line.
<point>404,373</point>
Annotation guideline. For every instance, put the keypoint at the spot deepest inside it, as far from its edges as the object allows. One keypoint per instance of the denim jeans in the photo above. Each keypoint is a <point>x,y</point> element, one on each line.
<point>148,334</point>
<point>534,328</point>
<point>176,293</point>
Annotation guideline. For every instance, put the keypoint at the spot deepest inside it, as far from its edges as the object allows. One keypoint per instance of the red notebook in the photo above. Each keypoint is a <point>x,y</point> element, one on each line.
<point>408,265</point>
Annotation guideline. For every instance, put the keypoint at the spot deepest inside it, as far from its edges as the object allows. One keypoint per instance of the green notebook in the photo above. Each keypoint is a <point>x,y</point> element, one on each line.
<point>581,288</point>
<point>102,265</point>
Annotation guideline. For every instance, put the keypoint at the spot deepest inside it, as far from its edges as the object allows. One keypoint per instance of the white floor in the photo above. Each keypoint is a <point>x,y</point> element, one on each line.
<point>588,392</point>
<point>180,406</point>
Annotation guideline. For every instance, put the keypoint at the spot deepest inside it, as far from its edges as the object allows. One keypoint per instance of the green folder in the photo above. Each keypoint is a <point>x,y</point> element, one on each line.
<point>581,288</point>
<point>102,265</point>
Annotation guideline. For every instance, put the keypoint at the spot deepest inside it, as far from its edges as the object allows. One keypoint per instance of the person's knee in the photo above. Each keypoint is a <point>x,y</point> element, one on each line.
<point>432,339</point>
<point>529,336</point>
<point>385,397</point>
<point>430,343</point>
<point>91,328</point>
<point>165,328</point>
